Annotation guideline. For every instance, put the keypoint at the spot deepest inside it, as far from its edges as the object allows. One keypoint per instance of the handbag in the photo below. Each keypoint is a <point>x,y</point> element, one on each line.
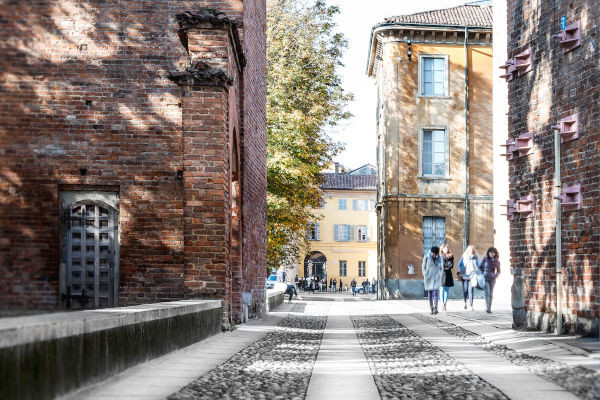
<point>478,281</point>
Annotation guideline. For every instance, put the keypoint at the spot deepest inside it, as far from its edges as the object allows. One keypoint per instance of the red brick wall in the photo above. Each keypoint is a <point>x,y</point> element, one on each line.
<point>559,85</point>
<point>84,85</point>
<point>254,155</point>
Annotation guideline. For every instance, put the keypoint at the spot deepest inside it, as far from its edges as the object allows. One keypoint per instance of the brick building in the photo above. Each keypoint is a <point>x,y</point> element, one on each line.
<point>552,72</point>
<point>132,148</point>
<point>433,72</point>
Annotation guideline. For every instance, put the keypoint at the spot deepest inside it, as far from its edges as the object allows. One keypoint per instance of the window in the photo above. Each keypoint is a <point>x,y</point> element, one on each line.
<point>362,268</point>
<point>360,205</point>
<point>313,231</point>
<point>434,75</point>
<point>342,233</point>
<point>434,232</point>
<point>361,233</point>
<point>342,204</point>
<point>343,268</point>
<point>434,153</point>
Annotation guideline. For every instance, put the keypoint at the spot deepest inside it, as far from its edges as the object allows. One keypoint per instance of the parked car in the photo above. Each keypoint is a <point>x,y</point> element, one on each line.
<point>272,283</point>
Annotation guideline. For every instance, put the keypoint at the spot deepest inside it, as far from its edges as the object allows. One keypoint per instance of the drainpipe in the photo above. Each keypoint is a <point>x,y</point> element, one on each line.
<point>466,240</point>
<point>558,229</point>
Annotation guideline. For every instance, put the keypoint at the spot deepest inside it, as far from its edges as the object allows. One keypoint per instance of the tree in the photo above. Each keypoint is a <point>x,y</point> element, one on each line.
<point>304,96</point>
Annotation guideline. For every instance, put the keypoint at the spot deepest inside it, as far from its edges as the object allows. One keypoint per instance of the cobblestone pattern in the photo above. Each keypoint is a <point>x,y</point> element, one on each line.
<point>406,366</point>
<point>276,367</point>
<point>578,380</point>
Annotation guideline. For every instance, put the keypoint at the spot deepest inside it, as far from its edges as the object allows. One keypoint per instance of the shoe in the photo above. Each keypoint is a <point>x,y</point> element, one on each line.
<point>435,311</point>
<point>488,311</point>
<point>465,306</point>
<point>444,307</point>
<point>431,310</point>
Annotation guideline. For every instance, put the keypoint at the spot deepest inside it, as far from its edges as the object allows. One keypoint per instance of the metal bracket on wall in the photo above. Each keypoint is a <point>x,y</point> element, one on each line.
<point>510,209</point>
<point>570,198</point>
<point>570,37</point>
<point>524,62</point>
<point>524,144</point>
<point>510,148</point>
<point>526,206</point>
<point>568,128</point>
<point>509,66</point>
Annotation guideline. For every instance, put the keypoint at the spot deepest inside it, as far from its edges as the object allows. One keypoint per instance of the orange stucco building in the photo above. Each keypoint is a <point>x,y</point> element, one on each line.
<point>433,72</point>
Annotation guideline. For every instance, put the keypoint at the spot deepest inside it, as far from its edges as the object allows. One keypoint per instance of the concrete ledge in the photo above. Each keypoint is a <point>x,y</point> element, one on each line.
<point>274,298</point>
<point>44,356</point>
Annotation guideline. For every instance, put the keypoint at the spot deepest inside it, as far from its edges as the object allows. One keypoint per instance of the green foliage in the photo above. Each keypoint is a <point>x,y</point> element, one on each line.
<point>304,96</point>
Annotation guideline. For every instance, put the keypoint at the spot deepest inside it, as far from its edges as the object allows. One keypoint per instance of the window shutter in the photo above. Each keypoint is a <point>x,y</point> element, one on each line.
<point>348,232</point>
<point>335,233</point>
<point>367,231</point>
<point>355,233</point>
<point>354,204</point>
<point>318,231</point>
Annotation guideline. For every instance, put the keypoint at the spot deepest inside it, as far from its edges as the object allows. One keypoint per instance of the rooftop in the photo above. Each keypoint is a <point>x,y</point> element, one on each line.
<point>345,181</point>
<point>466,15</point>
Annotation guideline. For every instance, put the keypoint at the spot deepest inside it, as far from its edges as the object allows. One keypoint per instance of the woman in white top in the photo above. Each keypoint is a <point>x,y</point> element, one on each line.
<point>468,267</point>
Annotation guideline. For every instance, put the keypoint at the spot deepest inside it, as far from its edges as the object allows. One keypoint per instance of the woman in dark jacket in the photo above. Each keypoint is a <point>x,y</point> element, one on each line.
<point>448,280</point>
<point>491,269</point>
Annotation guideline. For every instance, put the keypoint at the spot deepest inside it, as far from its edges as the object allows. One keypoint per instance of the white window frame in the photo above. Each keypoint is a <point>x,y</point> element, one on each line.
<point>446,153</point>
<point>362,233</point>
<point>422,75</point>
<point>336,233</point>
<point>313,231</point>
<point>364,269</point>
<point>343,271</point>
<point>356,207</point>
<point>345,202</point>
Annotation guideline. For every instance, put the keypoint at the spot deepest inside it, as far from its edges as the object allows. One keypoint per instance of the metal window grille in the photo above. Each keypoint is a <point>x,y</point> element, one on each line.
<point>434,232</point>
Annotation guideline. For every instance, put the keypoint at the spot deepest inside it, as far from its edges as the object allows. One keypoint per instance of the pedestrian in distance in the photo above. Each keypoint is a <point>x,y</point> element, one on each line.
<point>330,284</point>
<point>341,283</point>
<point>432,277</point>
<point>365,284</point>
<point>312,285</point>
<point>490,265</point>
<point>291,290</point>
<point>353,284</point>
<point>469,267</point>
<point>447,280</point>
<point>334,285</point>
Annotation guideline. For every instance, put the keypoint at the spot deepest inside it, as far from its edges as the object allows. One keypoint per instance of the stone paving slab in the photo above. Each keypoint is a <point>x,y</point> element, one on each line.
<point>341,370</point>
<point>159,378</point>
<point>514,381</point>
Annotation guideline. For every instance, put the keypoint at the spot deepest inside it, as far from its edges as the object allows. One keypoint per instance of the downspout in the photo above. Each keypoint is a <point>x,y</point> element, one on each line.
<point>558,229</point>
<point>466,239</point>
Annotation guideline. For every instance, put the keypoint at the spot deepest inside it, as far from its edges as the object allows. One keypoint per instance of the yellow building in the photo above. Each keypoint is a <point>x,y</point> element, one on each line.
<point>344,241</point>
<point>433,72</point>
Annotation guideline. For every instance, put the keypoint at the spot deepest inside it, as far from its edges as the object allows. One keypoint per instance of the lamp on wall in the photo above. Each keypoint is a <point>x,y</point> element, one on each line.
<point>409,52</point>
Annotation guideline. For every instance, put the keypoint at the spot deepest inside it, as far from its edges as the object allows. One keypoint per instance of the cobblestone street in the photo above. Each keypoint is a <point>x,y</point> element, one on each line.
<point>324,346</point>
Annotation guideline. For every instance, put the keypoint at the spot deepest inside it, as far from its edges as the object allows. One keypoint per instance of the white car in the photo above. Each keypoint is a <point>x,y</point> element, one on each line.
<point>273,284</point>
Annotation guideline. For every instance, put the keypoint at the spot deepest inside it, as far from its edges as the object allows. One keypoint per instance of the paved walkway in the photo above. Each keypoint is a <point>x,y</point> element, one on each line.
<point>455,351</point>
<point>341,370</point>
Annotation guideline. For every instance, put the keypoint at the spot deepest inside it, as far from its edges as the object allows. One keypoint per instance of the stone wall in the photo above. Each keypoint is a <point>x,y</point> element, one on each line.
<point>89,103</point>
<point>558,85</point>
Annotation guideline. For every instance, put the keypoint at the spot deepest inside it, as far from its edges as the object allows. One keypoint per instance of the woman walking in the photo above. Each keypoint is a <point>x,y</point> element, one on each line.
<point>491,269</point>
<point>468,266</point>
<point>432,277</point>
<point>448,264</point>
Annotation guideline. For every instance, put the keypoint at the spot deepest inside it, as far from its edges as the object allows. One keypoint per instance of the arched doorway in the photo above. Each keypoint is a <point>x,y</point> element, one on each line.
<point>316,264</point>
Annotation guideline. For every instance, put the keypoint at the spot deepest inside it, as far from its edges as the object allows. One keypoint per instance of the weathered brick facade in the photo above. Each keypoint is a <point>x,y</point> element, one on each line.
<point>103,96</point>
<point>558,85</point>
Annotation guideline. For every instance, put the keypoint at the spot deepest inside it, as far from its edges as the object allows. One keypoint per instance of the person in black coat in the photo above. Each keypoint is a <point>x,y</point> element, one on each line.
<point>447,279</point>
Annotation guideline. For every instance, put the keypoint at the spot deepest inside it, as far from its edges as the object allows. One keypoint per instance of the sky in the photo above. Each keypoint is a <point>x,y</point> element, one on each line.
<point>355,20</point>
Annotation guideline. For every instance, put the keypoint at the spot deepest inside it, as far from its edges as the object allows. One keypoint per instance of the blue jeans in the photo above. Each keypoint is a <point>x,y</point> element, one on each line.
<point>468,292</point>
<point>444,291</point>
<point>489,293</point>
<point>433,296</point>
